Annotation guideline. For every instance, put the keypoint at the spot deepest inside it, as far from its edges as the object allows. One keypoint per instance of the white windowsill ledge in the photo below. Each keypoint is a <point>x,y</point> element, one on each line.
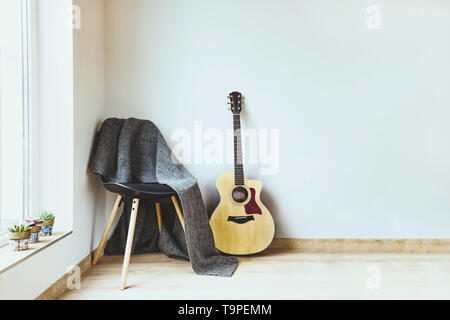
<point>9,258</point>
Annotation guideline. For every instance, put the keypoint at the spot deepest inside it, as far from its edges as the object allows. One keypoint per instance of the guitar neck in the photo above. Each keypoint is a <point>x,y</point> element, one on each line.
<point>238,165</point>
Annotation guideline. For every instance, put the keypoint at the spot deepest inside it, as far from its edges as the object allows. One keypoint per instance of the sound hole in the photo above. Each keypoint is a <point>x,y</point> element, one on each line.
<point>239,194</point>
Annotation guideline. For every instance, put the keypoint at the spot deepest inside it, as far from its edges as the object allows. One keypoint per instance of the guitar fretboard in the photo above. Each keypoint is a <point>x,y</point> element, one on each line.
<point>238,165</point>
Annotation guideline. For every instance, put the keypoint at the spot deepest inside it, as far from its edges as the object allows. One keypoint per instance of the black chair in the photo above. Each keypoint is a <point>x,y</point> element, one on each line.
<point>137,191</point>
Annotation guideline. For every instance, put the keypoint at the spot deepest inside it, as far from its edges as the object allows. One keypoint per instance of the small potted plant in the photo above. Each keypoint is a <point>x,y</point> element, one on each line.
<point>36,225</point>
<point>48,220</point>
<point>19,237</point>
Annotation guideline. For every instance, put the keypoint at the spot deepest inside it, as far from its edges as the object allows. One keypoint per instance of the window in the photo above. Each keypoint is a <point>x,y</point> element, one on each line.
<point>14,103</point>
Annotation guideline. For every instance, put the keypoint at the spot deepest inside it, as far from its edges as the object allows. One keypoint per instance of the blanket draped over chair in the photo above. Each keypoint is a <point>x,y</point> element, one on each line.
<point>134,150</point>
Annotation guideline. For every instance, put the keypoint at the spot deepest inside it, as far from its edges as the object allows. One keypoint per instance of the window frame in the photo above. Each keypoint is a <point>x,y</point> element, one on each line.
<point>29,109</point>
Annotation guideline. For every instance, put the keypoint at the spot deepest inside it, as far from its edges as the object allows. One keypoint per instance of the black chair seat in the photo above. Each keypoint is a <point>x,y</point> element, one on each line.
<point>139,190</point>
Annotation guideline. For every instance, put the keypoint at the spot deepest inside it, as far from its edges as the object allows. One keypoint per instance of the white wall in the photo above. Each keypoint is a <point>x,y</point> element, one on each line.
<point>89,112</point>
<point>56,92</point>
<point>363,115</point>
<point>72,104</point>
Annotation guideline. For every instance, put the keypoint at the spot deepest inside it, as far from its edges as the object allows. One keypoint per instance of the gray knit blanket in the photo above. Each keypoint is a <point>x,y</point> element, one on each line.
<point>134,150</point>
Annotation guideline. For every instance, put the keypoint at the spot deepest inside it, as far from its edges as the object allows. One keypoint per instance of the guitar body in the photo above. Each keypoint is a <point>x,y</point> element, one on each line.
<point>241,228</point>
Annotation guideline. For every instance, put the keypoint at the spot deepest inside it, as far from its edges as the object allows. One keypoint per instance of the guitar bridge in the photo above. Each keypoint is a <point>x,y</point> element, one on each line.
<point>241,219</point>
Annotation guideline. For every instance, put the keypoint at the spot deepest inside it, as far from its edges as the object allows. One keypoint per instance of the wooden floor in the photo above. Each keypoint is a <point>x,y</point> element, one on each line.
<point>275,274</point>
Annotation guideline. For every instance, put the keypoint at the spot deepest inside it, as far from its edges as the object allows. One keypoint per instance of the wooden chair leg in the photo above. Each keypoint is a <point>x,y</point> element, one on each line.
<point>158,215</point>
<point>126,260</point>
<point>101,246</point>
<point>178,210</point>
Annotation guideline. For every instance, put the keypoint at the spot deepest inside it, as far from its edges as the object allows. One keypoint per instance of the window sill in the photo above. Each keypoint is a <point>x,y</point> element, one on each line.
<point>9,258</point>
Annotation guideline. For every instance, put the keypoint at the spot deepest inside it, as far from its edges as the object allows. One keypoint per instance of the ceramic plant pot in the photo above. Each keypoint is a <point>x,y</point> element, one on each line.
<point>35,230</point>
<point>19,241</point>
<point>47,227</point>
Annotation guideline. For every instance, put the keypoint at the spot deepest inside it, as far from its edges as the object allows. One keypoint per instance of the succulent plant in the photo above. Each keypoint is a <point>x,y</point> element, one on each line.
<point>33,222</point>
<point>46,215</point>
<point>18,229</point>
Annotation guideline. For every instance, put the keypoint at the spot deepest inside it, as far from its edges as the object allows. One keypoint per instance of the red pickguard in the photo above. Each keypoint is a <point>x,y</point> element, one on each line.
<point>252,207</point>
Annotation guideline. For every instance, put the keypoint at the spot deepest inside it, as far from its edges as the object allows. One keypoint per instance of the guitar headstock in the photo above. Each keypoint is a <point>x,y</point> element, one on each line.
<point>236,102</point>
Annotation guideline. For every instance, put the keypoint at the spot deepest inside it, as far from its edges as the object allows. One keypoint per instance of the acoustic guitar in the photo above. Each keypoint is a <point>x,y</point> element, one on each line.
<point>241,224</point>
